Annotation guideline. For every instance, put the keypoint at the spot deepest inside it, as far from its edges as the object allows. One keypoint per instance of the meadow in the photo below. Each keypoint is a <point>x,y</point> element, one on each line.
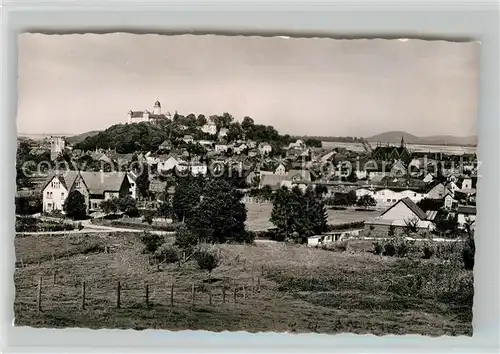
<point>279,287</point>
<point>258,216</point>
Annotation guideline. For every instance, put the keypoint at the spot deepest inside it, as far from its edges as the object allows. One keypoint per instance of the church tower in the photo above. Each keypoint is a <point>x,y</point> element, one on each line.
<point>157,108</point>
<point>402,142</point>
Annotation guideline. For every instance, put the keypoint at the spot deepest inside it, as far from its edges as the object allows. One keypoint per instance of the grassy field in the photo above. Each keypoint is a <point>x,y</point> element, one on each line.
<point>301,289</point>
<point>258,216</point>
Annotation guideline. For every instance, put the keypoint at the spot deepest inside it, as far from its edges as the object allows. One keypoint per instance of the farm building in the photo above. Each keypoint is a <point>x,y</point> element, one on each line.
<point>330,237</point>
<point>400,214</point>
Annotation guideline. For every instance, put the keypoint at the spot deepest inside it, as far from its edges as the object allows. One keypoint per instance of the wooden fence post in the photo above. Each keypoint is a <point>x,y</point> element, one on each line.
<point>172,295</point>
<point>83,295</point>
<point>244,293</point>
<point>235,291</point>
<point>209,294</point>
<point>54,278</point>
<point>39,295</point>
<point>258,284</point>
<point>22,263</point>
<point>193,290</point>
<point>253,287</point>
<point>224,294</point>
<point>147,295</point>
<point>118,290</point>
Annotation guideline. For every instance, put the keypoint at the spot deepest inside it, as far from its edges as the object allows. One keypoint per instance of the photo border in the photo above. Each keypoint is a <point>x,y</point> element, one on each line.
<point>457,21</point>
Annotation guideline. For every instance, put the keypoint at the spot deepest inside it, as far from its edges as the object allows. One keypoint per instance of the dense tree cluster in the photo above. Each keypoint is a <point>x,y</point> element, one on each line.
<point>299,214</point>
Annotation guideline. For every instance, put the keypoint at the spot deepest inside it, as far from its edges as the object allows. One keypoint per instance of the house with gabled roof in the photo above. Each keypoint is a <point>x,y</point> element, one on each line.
<point>398,216</point>
<point>94,186</point>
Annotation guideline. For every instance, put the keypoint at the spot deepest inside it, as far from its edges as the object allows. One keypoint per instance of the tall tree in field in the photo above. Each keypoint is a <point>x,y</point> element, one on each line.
<point>366,201</point>
<point>220,215</point>
<point>142,180</point>
<point>187,196</point>
<point>299,213</point>
<point>74,206</point>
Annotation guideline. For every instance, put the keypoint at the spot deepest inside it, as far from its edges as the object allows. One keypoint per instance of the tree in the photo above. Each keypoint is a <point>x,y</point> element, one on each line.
<point>74,206</point>
<point>247,124</point>
<point>303,213</point>
<point>411,225</point>
<point>109,206</point>
<point>207,260</point>
<point>321,190</point>
<point>151,241</point>
<point>187,196</point>
<point>220,214</point>
<point>202,120</point>
<point>166,254</point>
<point>446,224</point>
<point>392,231</point>
<point>185,239</point>
<point>128,205</point>
<point>469,252</point>
<point>164,209</point>
<point>142,180</point>
<point>311,142</point>
<point>366,201</point>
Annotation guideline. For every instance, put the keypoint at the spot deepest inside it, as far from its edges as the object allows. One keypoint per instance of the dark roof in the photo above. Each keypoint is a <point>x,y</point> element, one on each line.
<point>137,114</point>
<point>412,206</point>
<point>466,209</point>
<point>96,182</point>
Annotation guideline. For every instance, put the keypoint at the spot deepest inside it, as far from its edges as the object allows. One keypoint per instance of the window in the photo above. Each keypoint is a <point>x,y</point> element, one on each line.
<point>55,184</point>
<point>94,205</point>
<point>62,195</point>
<point>394,200</point>
<point>49,195</point>
<point>414,194</point>
<point>388,200</point>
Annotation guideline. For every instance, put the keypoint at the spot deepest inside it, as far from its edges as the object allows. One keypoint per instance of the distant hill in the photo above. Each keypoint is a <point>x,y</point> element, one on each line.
<point>395,137</point>
<point>75,139</point>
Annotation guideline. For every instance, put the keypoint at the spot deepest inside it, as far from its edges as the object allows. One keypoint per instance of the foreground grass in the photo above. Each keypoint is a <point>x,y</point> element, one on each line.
<point>301,290</point>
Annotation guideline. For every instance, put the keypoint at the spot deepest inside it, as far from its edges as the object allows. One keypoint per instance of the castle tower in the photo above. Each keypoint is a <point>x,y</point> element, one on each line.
<point>57,145</point>
<point>157,108</point>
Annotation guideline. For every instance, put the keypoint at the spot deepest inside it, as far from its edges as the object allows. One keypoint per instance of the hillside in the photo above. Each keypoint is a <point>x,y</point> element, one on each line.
<point>395,137</point>
<point>75,139</point>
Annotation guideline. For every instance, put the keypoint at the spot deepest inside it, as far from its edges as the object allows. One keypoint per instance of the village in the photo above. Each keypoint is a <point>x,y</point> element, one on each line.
<point>247,204</point>
<point>389,180</point>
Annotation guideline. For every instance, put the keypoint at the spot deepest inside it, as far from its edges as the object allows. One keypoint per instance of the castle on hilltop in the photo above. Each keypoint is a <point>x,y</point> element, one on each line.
<point>146,116</point>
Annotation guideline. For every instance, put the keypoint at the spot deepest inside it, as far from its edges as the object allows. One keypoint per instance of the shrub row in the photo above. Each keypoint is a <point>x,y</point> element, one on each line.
<point>451,251</point>
<point>345,226</point>
<point>30,224</point>
<point>134,225</point>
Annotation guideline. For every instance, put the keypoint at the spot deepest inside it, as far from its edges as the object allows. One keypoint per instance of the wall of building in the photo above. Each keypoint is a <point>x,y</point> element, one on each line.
<point>54,196</point>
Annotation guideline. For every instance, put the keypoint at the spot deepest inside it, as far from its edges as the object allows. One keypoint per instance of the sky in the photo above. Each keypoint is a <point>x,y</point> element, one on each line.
<point>70,84</point>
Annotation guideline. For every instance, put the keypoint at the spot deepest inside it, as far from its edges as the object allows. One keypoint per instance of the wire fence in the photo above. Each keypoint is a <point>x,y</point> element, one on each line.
<point>48,292</point>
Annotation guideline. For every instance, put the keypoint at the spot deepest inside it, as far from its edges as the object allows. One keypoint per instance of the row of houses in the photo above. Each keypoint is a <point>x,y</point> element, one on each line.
<point>94,186</point>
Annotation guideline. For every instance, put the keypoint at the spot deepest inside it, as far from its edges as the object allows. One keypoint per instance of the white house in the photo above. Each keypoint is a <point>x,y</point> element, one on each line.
<point>209,128</point>
<point>448,201</point>
<point>280,170</point>
<point>198,169</point>
<point>133,186</point>
<point>428,178</point>
<point>221,147</point>
<point>94,186</point>
<point>168,163</point>
<point>465,214</point>
<point>223,132</point>
<point>188,139</point>
<point>265,148</point>
<point>399,215</point>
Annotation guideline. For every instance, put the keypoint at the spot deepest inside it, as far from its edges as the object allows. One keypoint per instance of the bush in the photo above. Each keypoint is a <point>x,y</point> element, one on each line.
<point>185,239</point>
<point>378,248</point>
<point>207,260</point>
<point>428,251</point>
<point>148,219</point>
<point>389,249</point>
<point>402,249</point>
<point>167,254</point>
<point>151,241</point>
<point>80,226</point>
<point>468,257</point>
